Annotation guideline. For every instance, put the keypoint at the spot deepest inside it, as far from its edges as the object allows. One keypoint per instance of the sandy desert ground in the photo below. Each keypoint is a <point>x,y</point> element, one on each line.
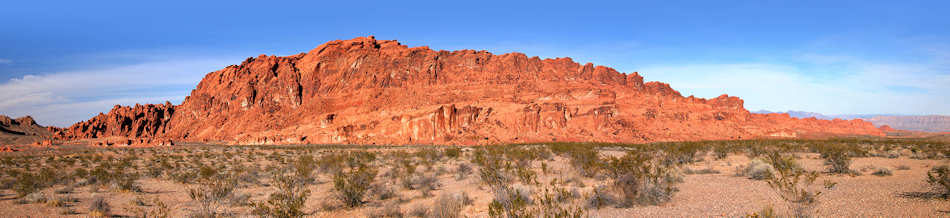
<point>707,179</point>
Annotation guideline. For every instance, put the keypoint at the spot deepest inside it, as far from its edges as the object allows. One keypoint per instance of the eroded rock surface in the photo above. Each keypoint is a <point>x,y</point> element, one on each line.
<point>372,91</point>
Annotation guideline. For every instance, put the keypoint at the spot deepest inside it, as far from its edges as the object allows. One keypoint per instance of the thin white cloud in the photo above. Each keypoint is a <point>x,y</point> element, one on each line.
<point>5,61</point>
<point>63,98</point>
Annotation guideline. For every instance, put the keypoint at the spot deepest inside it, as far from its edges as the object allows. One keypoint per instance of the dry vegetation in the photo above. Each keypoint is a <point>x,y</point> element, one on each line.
<point>524,180</point>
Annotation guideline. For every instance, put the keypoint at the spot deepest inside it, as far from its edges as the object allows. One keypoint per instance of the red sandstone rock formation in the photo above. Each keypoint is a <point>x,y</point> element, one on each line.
<point>382,92</point>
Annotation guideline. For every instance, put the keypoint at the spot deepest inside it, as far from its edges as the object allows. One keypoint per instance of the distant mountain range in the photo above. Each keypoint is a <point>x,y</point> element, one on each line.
<point>926,123</point>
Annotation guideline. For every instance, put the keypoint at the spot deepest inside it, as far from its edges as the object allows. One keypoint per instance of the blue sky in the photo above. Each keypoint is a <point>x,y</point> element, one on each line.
<point>65,61</point>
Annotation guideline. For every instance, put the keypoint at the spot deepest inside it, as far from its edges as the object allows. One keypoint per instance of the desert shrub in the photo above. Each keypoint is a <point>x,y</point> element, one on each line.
<point>882,171</point>
<point>793,183</point>
<point>526,175</point>
<point>837,157</point>
<point>351,185</point>
<point>452,152</point>
<point>425,184</point>
<point>57,202</point>
<point>721,152</point>
<point>382,192</point>
<point>586,161</point>
<point>389,210</point>
<point>903,167</point>
<point>99,207</point>
<point>418,210</point>
<point>939,178</point>
<point>126,182</point>
<point>511,201</point>
<point>680,152</point>
<point>287,201</point>
<point>68,211</point>
<point>492,175</point>
<point>36,198</point>
<point>449,205</point>
<point>462,171</point>
<point>303,168</point>
<point>758,169</point>
<point>707,170</point>
<point>642,179</point>
<point>767,212</point>
<point>549,205</point>
<point>600,198</point>
<point>25,184</point>
<point>7,183</point>
<point>159,210</point>
<point>65,190</point>
<point>210,194</point>
<point>893,154</point>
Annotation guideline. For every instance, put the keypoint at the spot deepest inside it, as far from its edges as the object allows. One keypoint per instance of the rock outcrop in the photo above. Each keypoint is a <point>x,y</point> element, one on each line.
<point>370,91</point>
<point>23,130</point>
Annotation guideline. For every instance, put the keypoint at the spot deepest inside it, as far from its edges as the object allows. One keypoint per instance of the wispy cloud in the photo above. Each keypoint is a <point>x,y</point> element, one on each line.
<point>62,98</point>
<point>5,61</point>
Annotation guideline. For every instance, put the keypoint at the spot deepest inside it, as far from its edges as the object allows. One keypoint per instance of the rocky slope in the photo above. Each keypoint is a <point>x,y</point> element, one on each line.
<point>23,130</point>
<point>382,92</point>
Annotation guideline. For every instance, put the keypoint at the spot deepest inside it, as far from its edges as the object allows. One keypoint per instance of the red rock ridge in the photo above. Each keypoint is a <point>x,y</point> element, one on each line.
<point>23,130</point>
<point>382,92</point>
<point>144,123</point>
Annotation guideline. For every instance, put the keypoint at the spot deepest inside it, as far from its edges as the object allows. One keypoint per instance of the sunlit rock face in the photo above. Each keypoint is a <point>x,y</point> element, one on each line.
<point>368,91</point>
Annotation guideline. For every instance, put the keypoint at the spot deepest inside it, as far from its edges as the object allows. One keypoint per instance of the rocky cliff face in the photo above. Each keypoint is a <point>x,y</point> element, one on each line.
<point>145,123</point>
<point>372,91</point>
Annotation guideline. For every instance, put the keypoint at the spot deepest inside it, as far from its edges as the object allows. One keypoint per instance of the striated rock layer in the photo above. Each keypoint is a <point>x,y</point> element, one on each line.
<point>372,91</point>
